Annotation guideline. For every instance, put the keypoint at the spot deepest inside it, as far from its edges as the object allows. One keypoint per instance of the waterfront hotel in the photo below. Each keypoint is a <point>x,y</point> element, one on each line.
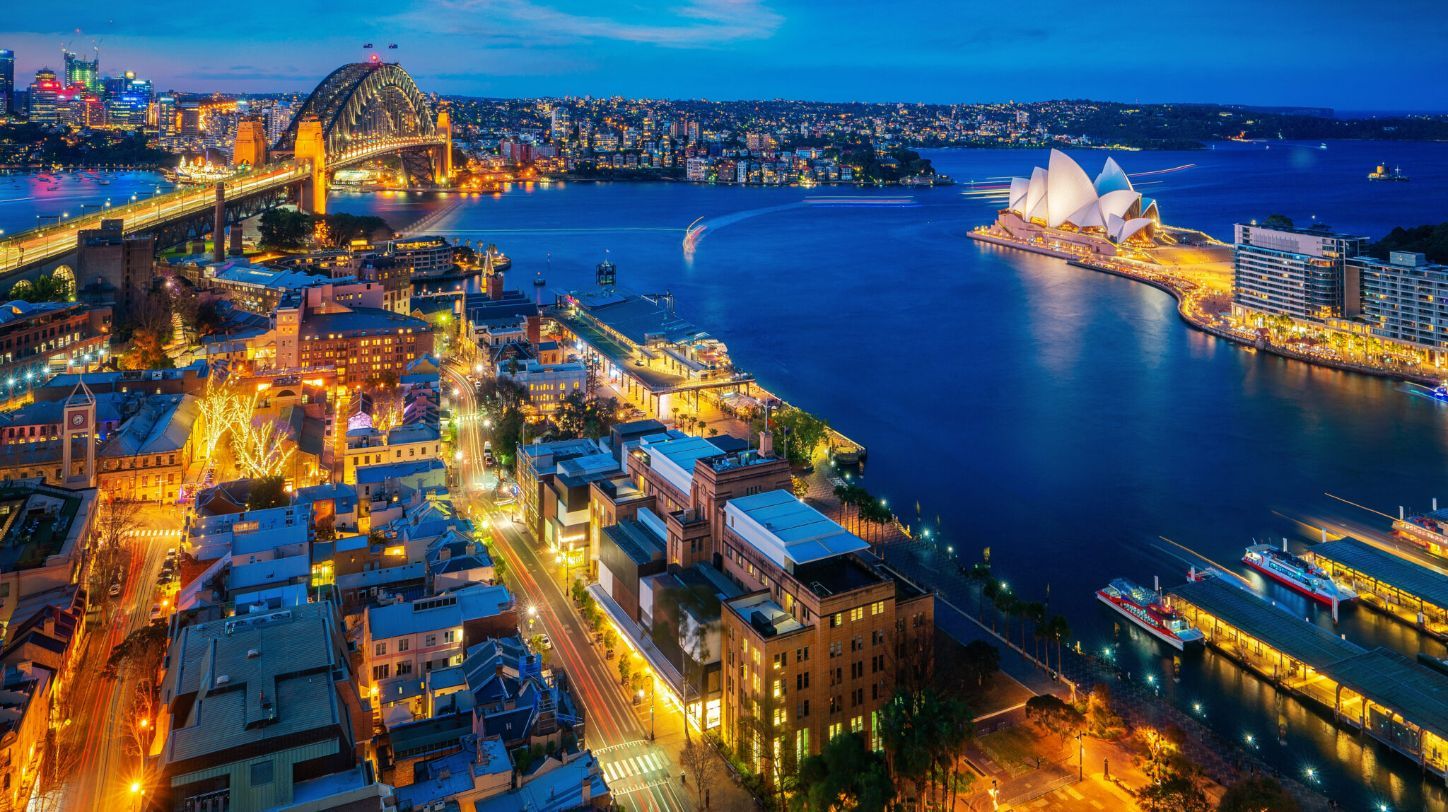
<point>1321,278</point>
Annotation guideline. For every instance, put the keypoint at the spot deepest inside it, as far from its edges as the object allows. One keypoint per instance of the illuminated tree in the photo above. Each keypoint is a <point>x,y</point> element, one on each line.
<point>222,410</point>
<point>258,447</point>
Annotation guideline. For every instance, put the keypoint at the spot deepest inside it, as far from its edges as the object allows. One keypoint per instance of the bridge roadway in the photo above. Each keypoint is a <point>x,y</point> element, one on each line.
<point>29,248</point>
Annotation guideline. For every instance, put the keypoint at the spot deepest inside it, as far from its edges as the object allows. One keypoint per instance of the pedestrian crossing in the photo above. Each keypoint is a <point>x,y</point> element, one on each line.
<point>152,532</point>
<point>625,768</point>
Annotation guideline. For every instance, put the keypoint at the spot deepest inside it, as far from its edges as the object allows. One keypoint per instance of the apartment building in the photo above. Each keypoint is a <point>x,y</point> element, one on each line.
<point>415,637</point>
<point>1302,273</point>
<point>815,646</point>
<point>1405,299</point>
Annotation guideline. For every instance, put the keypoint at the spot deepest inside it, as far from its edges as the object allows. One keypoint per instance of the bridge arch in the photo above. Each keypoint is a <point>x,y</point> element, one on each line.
<point>361,100</point>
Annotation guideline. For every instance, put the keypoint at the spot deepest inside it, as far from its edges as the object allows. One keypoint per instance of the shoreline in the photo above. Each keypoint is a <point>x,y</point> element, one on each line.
<point>1191,320</point>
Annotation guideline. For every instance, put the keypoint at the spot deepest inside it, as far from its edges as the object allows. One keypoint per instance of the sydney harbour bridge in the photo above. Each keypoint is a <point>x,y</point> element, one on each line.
<point>361,112</point>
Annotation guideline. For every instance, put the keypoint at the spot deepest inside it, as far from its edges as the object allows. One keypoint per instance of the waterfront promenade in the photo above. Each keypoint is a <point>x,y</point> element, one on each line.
<point>1190,296</point>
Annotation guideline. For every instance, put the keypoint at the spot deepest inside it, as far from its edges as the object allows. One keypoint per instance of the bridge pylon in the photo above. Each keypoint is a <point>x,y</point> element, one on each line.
<point>311,145</point>
<point>443,157</point>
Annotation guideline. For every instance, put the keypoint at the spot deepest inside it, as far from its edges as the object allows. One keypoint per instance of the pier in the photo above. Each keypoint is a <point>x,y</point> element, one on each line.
<point>1397,587</point>
<point>1387,696</point>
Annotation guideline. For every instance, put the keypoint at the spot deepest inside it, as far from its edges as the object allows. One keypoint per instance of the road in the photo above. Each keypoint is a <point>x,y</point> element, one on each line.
<point>642,774</point>
<point>102,774</point>
<point>36,245</point>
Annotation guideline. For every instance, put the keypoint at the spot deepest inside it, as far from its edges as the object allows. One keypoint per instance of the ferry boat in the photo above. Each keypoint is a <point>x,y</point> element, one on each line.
<point>1297,574</point>
<point>1426,530</point>
<point>1144,608</point>
<point>1383,173</point>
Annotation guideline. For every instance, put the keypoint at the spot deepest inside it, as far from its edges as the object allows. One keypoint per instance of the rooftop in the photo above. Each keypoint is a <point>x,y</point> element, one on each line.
<point>162,425</point>
<point>1386,568</point>
<point>440,612</point>
<point>788,531</point>
<point>360,320</point>
<point>1307,643</point>
<point>764,614</point>
<point>256,678</point>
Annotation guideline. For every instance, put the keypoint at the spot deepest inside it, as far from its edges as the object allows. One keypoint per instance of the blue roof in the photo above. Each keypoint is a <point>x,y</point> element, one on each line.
<point>1399,573</point>
<point>795,533</point>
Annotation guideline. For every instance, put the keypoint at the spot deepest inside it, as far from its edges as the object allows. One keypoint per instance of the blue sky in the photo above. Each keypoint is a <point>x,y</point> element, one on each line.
<point>1347,54</point>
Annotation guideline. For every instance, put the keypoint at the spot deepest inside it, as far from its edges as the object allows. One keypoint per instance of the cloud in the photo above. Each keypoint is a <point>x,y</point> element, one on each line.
<point>694,24</point>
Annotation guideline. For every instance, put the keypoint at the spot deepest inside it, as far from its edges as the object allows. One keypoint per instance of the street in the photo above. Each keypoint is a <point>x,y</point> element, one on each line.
<point>641,774</point>
<point>101,773</point>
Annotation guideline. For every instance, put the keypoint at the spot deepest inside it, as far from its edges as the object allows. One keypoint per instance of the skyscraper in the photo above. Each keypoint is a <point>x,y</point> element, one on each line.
<point>7,81</point>
<point>81,71</point>
<point>43,93</point>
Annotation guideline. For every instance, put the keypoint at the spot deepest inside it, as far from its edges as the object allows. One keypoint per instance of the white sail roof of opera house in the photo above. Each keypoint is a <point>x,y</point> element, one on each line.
<point>1063,193</point>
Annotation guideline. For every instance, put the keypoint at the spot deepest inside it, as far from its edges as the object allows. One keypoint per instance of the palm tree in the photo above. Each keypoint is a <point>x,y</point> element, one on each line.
<point>1059,629</point>
<point>1035,612</point>
<point>1007,605</point>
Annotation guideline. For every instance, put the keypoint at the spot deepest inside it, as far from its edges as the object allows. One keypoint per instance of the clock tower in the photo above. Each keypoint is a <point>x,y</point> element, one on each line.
<point>79,426</point>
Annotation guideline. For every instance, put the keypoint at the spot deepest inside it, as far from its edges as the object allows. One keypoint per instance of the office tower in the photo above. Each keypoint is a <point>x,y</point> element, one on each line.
<point>81,71</point>
<point>44,92</point>
<point>7,81</point>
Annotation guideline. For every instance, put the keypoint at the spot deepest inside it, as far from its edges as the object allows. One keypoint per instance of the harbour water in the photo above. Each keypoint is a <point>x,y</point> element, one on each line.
<point>1065,419</point>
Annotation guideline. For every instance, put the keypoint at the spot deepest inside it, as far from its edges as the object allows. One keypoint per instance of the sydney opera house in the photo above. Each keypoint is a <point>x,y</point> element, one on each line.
<point>1061,205</point>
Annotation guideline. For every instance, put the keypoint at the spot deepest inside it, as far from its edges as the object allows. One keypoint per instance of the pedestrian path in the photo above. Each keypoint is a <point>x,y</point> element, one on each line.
<point>152,532</point>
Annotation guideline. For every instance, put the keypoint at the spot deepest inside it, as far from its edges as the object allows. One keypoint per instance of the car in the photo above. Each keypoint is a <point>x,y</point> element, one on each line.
<point>488,460</point>
<point>115,590</point>
<point>545,642</point>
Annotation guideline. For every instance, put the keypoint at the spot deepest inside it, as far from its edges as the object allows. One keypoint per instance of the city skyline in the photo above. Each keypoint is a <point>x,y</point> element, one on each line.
<point>764,49</point>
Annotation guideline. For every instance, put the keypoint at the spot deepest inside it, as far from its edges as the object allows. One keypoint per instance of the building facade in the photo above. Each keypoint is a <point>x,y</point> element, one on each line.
<point>1405,299</point>
<point>1294,272</point>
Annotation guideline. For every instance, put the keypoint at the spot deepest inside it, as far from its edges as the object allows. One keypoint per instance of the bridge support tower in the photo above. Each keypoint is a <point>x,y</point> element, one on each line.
<point>442,156</point>
<point>312,146</point>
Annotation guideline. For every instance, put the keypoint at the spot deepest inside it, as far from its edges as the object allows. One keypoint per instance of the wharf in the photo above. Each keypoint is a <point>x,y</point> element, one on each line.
<point>1389,697</point>
<point>1405,591</point>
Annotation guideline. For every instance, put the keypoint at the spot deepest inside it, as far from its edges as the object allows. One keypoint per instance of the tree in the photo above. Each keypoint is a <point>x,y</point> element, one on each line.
<point>582,416</point>
<point>1277,221</point>
<point>343,228</point>
<point>845,775</point>
<point>287,229</point>
<point>1175,785</point>
<point>148,350</point>
<point>268,492</point>
<point>138,656</point>
<point>1051,716</point>
<point>923,732</point>
<point>1257,793</point>
<point>702,765</point>
<point>625,668</point>
<point>47,288</point>
<point>1102,720</point>
<point>802,432</point>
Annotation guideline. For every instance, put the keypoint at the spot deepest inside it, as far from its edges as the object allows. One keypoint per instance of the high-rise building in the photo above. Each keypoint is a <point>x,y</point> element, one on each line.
<point>44,93</point>
<point>559,123</point>
<point>81,71</point>
<point>189,118</point>
<point>1405,299</point>
<point>127,100</point>
<point>166,115</point>
<point>7,81</point>
<point>1297,272</point>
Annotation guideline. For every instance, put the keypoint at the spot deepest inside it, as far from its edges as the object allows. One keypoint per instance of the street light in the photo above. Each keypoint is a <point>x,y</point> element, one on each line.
<point>651,707</point>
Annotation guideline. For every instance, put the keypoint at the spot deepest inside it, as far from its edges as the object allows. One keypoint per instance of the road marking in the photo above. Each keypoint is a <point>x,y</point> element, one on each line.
<point>1075,796</point>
